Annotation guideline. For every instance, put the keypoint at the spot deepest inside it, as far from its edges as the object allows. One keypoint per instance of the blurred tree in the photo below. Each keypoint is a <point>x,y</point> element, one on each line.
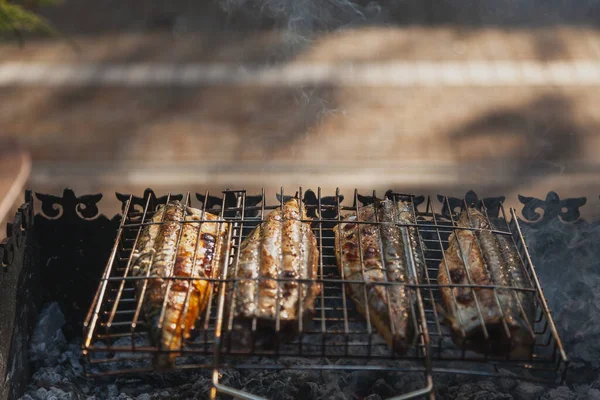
<point>18,17</point>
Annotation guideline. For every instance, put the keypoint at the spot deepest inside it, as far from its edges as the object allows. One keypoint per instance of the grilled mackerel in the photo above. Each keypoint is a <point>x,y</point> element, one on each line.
<point>488,259</point>
<point>374,254</point>
<point>168,248</point>
<point>282,247</point>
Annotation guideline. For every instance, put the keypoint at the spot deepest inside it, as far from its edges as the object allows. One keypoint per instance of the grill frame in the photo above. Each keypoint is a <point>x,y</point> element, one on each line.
<point>424,360</point>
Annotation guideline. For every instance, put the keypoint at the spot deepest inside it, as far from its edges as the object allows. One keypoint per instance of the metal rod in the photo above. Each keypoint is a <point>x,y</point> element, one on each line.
<point>383,254</point>
<point>341,269</point>
<point>279,265</point>
<point>426,272</point>
<point>120,291</point>
<point>452,292</point>
<point>220,308</point>
<point>142,295</point>
<point>545,307</point>
<point>362,266</point>
<point>420,307</point>
<point>488,267</point>
<point>98,303</point>
<point>321,274</point>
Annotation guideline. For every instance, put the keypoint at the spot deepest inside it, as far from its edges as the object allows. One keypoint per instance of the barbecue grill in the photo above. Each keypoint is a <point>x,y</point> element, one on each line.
<point>73,237</point>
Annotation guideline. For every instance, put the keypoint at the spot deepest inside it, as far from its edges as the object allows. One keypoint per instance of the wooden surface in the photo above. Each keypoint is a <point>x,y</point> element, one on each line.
<point>15,167</point>
<point>500,140</point>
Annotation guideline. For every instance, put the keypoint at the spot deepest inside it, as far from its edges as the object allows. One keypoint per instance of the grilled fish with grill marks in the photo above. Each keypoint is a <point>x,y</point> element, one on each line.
<point>488,260</point>
<point>281,247</point>
<point>168,248</point>
<point>361,257</point>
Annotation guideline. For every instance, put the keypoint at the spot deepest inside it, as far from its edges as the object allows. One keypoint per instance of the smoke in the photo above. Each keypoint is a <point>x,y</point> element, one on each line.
<point>568,266</point>
<point>297,26</point>
<point>306,15</point>
<point>300,22</point>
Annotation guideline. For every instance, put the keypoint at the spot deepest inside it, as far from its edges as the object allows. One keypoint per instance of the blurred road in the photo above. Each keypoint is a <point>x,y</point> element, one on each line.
<point>500,138</point>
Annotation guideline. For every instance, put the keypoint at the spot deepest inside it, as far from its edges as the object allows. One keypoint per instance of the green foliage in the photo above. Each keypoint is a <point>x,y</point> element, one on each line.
<point>16,19</point>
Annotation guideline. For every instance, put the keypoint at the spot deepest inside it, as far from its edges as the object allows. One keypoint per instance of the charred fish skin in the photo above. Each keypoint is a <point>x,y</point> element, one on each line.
<point>398,270</point>
<point>159,255</point>
<point>462,259</point>
<point>504,266</point>
<point>157,269</point>
<point>211,249</point>
<point>374,253</point>
<point>299,261</point>
<point>283,247</point>
<point>242,294</point>
<point>199,254</point>
<point>487,265</point>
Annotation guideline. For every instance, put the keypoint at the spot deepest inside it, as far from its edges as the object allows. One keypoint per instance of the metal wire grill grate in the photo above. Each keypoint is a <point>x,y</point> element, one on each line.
<point>546,356</point>
<point>116,338</point>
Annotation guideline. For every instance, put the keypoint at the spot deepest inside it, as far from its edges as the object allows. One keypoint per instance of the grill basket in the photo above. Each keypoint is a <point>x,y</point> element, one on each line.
<point>338,337</point>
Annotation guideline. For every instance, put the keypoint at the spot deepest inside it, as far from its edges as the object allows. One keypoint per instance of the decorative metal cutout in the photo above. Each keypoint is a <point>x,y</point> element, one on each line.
<point>74,237</point>
<point>69,206</point>
<point>214,203</point>
<point>15,237</point>
<point>368,200</point>
<point>454,205</point>
<point>553,207</point>
<point>329,204</point>
<point>140,202</point>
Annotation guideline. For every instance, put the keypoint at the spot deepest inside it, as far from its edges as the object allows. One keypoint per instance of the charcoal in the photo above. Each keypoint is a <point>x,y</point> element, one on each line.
<point>560,393</point>
<point>404,382</point>
<point>528,391</point>
<point>476,390</point>
<point>383,389</point>
<point>47,376</point>
<point>506,383</point>
<point>112,391</point>
<point>48,341</point>
<point>308,391</point>
<point>359,382</point>
<point>52,394</point>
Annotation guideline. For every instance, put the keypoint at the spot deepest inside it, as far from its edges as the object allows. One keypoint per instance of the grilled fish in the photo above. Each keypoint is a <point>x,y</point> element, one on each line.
<point>282,247</point>
<point>168,248</point>
<point>375,254</point>
<point>488,260</point>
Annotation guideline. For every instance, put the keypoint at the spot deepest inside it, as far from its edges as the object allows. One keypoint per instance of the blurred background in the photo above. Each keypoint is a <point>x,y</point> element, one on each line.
<point>428,96</point>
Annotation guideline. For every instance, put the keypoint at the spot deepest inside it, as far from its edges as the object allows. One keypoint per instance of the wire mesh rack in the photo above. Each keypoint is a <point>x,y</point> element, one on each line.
<point>544,358</point>
<point>116,338</point>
